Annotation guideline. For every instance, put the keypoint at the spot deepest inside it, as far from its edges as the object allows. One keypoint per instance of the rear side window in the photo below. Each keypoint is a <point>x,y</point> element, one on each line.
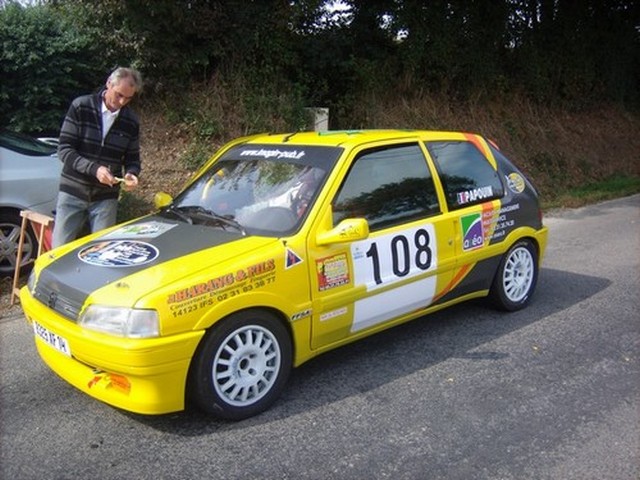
<point>467,176</point>
<point>387,187</point>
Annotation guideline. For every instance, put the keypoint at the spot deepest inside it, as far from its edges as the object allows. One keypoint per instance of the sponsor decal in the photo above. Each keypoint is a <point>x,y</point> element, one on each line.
<point>333,314</point>
<point>509,208</point>
<point>291,258</point>
<point>347,232</point>
<point>109,380</point>
<point>497,222</point>
<point>489,219</point>
<point>472,231</point>
<point>203,288</point>
<point>118,253</point>
<point>299,315</point>
<point>493,223</point>
<point>332,271</point>
<point>475,194</point>
<point>515,182</point>
<point>188,300</point>
<point>146,229</point>
<point>504,223</point>
<point>275,153</point>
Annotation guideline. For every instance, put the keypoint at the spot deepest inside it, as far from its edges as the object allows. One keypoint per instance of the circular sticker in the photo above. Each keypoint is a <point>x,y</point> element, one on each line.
<point>515,182</point>
<point>118,253</point>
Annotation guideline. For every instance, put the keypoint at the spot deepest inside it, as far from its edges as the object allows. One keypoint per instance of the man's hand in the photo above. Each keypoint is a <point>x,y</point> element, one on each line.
<point>130,182</point>
<point>104,176</point>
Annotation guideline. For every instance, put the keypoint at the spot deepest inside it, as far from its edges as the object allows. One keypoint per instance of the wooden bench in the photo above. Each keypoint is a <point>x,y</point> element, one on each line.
<point>42,227</point>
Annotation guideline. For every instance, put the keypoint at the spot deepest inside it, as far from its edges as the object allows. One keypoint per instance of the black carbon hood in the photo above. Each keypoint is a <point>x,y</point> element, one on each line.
<point>65,284</point>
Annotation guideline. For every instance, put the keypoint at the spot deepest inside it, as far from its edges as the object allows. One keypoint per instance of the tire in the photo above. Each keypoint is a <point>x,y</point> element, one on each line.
<point>516,278</point>
<point>242,365</point>
<point>10,223</point>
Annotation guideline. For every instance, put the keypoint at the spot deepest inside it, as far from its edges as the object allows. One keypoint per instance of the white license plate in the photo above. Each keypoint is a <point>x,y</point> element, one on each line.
<point>50,338</point>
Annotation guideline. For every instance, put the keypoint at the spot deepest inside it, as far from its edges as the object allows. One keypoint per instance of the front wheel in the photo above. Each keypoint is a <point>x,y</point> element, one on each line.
<point>242,365</point>
<point>516,277</point>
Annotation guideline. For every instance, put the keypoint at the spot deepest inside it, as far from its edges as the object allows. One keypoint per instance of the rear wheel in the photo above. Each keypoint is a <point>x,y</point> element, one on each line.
<point>516,278</point>
<point>10,223</point>
<point>242,365</point>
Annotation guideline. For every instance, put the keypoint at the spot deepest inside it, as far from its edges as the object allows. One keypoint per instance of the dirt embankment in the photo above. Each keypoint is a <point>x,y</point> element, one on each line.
<point>558,149</point>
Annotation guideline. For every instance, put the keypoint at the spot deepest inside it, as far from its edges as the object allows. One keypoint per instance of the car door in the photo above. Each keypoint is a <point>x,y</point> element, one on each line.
<point>472,189</point>
<point>363,282</point>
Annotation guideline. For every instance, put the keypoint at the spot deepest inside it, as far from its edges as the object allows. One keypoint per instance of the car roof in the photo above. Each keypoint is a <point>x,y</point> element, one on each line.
<point>353,137</point>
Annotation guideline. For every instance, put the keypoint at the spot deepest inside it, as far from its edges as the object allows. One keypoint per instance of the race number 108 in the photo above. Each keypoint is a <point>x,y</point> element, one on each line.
<point>404,254</point>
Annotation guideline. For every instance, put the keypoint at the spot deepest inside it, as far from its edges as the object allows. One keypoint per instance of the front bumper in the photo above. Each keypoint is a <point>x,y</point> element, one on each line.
<point>145,376</point>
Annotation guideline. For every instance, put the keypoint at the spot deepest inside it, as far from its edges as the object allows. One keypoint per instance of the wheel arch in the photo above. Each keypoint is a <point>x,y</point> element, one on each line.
<point>276,313</point>
<point>193,382</point>
<point>10,209</point>
<point>529,234</point>
<point>496,293</point>
<point>8,250</point>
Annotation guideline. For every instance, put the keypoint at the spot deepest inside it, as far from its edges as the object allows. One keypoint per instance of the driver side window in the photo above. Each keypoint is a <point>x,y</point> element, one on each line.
<point>387,186</point>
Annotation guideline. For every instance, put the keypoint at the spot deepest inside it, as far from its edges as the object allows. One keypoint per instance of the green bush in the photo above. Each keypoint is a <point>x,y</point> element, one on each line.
<point>45,61</point>
<point>233,104</point>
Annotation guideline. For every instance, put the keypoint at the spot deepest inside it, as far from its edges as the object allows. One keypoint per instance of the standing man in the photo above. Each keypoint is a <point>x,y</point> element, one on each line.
<point>100,148</point>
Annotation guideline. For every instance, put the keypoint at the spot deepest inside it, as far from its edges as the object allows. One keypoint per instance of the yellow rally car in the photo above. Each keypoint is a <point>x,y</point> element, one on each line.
<point>280,248</point>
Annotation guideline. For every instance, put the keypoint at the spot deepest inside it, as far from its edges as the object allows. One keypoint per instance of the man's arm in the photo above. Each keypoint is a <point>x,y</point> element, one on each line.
<point>70,139</point>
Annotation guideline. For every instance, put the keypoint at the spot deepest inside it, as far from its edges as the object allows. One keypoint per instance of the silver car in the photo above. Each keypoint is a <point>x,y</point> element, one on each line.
<point>29,178</point>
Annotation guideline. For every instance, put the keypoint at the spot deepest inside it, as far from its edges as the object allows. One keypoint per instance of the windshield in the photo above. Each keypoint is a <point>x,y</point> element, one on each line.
<point>262,193</point>
<point>24,144</point>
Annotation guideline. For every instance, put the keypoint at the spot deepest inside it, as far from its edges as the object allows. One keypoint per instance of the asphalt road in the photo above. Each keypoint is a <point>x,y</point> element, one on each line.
<point>551,392</point>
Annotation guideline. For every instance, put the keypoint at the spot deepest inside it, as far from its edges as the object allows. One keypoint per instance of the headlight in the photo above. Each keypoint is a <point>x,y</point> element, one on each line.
<point>122,322</point>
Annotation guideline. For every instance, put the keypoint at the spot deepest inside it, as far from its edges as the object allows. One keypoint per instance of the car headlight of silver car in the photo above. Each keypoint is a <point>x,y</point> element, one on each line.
<point>121,321</point>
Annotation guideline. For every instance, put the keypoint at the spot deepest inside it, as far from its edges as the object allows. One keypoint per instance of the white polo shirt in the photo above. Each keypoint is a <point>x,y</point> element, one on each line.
<point>108,117</point>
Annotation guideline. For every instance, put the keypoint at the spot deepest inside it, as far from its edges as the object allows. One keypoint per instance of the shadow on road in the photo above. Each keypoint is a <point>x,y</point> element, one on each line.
<point>377,360</point>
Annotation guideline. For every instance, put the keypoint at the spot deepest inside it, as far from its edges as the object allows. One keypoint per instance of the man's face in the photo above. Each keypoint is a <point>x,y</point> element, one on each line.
<point>119,94</point>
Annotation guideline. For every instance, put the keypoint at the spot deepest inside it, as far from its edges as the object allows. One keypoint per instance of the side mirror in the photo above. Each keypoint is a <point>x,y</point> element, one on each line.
<point>161,200</point>
<point>348,230</point>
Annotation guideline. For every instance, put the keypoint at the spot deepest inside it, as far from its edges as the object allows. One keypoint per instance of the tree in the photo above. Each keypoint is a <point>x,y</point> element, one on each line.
<point>577,52</point>
<point>44,62</point>
<point>571,51</point>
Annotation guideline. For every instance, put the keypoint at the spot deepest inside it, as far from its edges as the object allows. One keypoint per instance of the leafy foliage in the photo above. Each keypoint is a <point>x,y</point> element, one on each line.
<point>231,105</point>
<point>44,62</point>
<point>572,53</point>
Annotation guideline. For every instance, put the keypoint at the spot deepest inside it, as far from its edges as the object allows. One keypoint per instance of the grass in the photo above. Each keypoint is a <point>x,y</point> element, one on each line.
<point>615,186</point>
